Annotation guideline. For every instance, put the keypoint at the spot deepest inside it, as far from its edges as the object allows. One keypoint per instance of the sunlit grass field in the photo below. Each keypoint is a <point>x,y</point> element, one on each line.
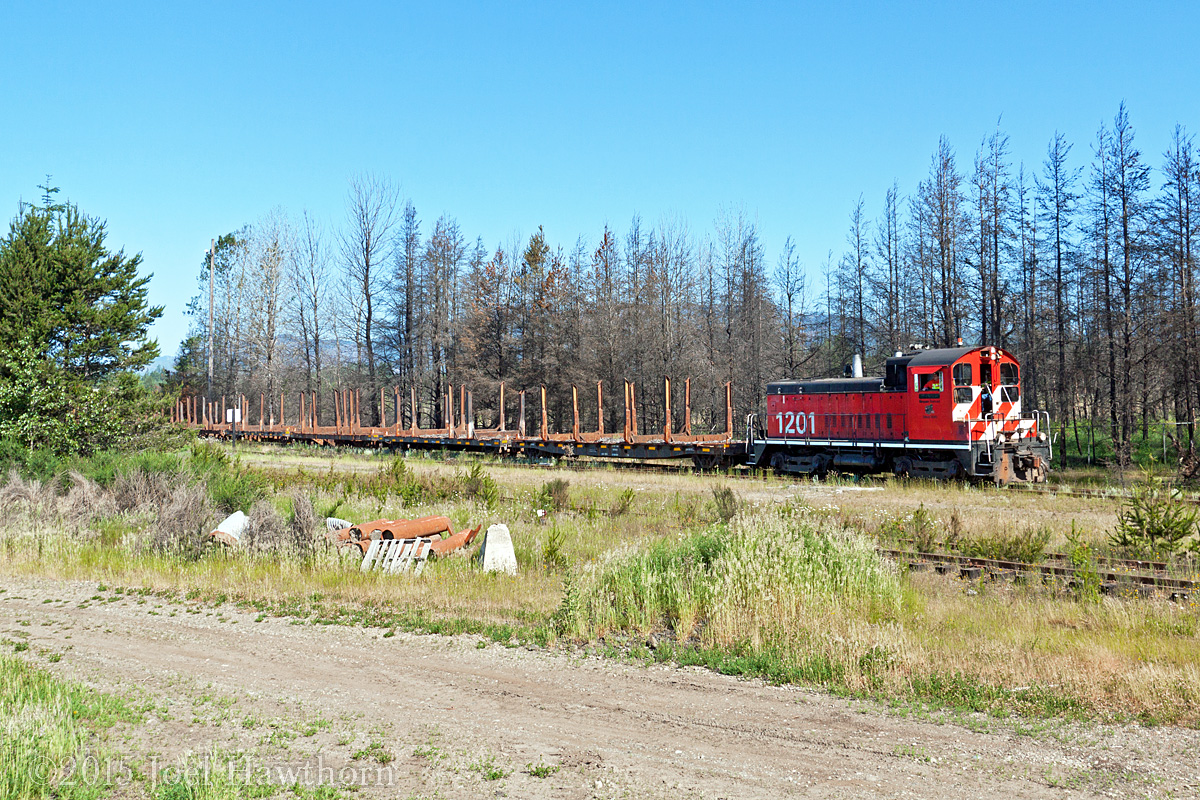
<point>765,577</point>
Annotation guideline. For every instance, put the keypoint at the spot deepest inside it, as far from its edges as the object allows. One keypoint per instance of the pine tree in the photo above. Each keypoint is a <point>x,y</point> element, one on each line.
<point>83,307</point>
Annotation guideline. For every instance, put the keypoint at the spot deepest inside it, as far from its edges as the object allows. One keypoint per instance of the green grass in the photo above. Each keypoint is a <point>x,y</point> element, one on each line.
<point>541,769</point>
<point>48,725</point>
<point>375,751</point>
<point>751,581</point>
<point>487,768</point>
<point>219,775</point>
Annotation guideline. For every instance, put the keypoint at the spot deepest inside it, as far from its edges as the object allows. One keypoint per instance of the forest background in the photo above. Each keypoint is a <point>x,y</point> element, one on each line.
<point>1083,265</point>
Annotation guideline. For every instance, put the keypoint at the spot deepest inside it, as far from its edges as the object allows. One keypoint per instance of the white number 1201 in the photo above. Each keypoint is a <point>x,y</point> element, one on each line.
<point>796,424</point>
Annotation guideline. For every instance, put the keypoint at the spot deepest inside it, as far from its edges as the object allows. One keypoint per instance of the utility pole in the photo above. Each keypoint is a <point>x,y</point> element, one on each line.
<point>211,256</point>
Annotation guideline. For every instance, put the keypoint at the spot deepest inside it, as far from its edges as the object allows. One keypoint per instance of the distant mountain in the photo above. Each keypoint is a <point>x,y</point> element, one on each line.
<point>162,362</point>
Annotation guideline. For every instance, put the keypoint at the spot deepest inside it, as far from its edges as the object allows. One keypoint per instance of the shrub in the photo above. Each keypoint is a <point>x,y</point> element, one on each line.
<point>726,503</point>
<point>1154,521</point>
<point>231,486</point>
<point>183,522</point>
<point>207,457</point>
<point>139,489</point>
<point>553,556</point>
<point>479,485</point>
<point>762,582</point>
<point>924,528</point>
<point>556,494</point>
<point>266,530</point>
<point>85,501</point>
<point>1083,560</point>
<point>623,504</point>
<point>1026,546</point>
<point>33,494</point>
<point>305,524</point>
<point>235,490</point>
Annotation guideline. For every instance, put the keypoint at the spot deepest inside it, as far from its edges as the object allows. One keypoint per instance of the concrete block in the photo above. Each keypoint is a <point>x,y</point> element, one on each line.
<point>496,554</point>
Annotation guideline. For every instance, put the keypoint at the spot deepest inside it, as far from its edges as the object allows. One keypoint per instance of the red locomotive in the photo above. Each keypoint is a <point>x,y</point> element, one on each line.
<point>935,413</point>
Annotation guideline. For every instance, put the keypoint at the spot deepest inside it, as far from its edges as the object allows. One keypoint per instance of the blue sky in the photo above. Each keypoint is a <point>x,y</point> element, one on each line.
<point>177,123</point>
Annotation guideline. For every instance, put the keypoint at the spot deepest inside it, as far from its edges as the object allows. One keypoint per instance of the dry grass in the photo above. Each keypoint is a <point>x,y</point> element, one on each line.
<point>1132,657</point>
<point>981,646</point>
<point>973,511</point>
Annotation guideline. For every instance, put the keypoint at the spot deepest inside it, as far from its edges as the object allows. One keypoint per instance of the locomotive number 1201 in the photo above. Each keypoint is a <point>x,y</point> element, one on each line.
<point>796,424</point>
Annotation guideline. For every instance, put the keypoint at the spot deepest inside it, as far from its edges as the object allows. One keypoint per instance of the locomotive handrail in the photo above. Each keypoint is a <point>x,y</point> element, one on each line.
<point>1049,438</point>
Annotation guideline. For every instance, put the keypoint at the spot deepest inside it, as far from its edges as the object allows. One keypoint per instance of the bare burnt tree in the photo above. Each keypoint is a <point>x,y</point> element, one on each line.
<point>1031,338</point>
<point>789,280</point>
<point>1178,223</point>
<point>309,279</point>
<point>443,260</point>
<point>366,247</point>
<point>991,194</point>
<point>272,251</point>
<point>603,318</point>
<point>941,196</point>
<point>1057,201</point>
<point>407,289</point>
<point>1100,233</point>
<point>888,286</point>
<point>853,274</point>
<point>1128,181</point>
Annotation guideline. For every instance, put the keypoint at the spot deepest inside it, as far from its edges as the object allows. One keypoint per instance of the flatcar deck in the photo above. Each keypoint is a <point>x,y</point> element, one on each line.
<point>717,451</point>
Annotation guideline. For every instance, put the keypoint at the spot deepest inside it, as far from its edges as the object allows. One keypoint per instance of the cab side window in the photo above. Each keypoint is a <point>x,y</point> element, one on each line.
<point>962,375</point>
<point>1008,374</point>
<point>932,382</point>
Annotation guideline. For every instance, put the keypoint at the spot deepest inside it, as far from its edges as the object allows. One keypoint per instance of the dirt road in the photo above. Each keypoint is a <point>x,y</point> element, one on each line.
<point>455,717</point>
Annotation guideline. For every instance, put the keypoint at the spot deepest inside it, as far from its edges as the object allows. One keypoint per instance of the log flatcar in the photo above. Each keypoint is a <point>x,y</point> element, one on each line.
<point>953,412</point>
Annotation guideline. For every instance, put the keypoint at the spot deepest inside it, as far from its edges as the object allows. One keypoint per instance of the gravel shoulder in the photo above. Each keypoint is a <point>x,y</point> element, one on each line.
<point>450,713</point>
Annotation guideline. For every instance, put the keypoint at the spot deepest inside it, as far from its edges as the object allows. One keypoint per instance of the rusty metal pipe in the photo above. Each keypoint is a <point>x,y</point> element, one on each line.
<point>456,541</point>
<point>395,529</point>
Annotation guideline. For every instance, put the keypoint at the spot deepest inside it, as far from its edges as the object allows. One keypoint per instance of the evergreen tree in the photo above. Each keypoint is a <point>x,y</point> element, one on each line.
<point>61,288</point>
<point>73,322</point>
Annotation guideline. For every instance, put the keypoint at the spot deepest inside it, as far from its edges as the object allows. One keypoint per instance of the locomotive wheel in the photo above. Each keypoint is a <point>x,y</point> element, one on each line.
<point>822,467</point>
<point>777,462</point>
<point>902,466</point>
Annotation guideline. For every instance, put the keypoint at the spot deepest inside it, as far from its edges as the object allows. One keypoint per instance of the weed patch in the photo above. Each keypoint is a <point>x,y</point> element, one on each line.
<point>47,724</point>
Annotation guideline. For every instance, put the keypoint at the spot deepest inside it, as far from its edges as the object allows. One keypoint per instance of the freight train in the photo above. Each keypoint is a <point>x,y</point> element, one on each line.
<point>944,413</point>
<point>949,413</point>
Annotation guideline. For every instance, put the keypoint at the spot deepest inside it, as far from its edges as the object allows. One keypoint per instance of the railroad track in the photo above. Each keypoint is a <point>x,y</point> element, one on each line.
<point>616,457</point>
<point>1118,577</point>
